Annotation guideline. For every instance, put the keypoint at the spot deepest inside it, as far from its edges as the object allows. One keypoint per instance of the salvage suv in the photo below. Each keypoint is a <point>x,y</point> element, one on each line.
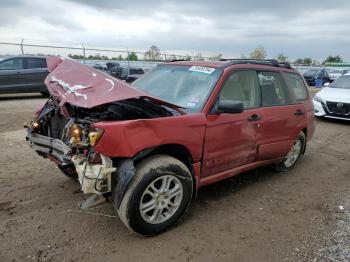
<point>148,147</point>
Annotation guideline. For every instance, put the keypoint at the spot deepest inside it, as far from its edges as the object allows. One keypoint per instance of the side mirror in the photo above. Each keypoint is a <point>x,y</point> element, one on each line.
<point>229,106</point>
<point>326,84</point>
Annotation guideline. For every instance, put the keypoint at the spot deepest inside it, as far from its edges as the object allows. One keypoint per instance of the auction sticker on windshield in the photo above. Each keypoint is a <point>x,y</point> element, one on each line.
<point>202,69</point>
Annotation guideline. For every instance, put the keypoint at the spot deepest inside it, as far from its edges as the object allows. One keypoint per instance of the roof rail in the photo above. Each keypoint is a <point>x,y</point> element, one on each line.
<point>178,60</point>
<point>272,62</point>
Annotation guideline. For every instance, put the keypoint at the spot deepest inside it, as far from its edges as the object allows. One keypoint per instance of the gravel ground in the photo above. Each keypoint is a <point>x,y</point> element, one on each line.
<point>301,215</point>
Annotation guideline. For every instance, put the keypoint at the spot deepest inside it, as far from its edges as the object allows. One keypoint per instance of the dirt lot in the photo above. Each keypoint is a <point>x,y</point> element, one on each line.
<point>301,215</point>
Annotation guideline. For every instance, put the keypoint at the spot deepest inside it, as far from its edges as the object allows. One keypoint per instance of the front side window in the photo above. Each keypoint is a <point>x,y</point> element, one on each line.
<point>242,86</point>
<point>296,84</point>
<point>186,86</point>
<point>33,63</point>
<point>12,64</point>
<point>274,92</point>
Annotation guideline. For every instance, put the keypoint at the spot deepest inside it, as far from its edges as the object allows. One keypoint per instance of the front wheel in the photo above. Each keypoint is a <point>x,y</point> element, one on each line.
<point>293,155</point>
<point>157,197</point>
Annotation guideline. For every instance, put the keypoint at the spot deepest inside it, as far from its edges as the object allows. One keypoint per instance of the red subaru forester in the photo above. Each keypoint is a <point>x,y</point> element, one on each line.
<point>148,147</point>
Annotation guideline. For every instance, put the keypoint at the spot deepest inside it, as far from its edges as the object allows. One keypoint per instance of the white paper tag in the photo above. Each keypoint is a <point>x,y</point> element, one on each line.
<point>202,69</point>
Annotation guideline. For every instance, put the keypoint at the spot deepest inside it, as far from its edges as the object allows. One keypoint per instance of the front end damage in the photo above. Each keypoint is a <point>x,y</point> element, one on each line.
<point>64,129</point>
<point>67,136</point>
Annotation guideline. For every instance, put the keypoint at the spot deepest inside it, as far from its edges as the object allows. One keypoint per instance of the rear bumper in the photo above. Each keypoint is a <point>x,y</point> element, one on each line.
<point>49,146</point>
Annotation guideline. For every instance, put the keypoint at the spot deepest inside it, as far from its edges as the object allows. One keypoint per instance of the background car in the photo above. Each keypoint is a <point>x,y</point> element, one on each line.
<point>128,74</point>
<point>334,101</point>
<point>99,67</point>
<point>313,74</point>
<point>335,73</point>
<point>23,74</point>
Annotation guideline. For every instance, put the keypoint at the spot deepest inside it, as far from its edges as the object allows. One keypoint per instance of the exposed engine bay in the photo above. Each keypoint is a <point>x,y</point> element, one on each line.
<point>66,134</point>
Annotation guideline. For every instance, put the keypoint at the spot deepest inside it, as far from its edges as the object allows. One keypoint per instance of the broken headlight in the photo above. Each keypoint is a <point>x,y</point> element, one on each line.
<point>75,133</point>
<point>95,135</point>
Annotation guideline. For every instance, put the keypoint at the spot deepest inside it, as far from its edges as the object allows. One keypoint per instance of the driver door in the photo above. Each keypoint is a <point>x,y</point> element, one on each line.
<point>231,139</point>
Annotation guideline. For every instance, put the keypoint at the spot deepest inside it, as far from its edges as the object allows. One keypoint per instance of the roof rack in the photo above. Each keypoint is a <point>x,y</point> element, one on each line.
<point>177,60</point>
<point>272,62</point>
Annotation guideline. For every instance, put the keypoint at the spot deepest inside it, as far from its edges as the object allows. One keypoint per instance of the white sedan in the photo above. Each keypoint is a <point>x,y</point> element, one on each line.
<point>333,101</point>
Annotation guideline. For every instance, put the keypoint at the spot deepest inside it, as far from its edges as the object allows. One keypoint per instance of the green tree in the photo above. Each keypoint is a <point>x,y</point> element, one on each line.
<point>307,61</point>
<point>132,57</point>
<point>333,59</point>
<point>258,53</point>
<point>153,53</point>
<point>281,58</point>
<point>75,56</point>
<point>299,61</point>
<point>117,58</point>
<point>187,57</point>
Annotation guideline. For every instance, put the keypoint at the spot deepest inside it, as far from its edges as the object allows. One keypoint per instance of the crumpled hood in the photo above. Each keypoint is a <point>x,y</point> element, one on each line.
<point>335,94</point>
<point>81,85</point>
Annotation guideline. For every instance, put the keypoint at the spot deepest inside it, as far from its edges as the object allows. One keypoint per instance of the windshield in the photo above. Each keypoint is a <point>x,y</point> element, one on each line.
<point>186,86</point>
<point>342,82</point>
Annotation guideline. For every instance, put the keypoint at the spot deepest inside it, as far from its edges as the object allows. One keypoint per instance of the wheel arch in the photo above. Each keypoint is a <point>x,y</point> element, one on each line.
<point>178,151</point>
<point>126,167</point>
<point>304,130</point>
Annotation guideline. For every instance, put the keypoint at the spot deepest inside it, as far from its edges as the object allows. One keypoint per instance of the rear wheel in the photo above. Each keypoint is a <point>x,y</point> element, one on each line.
<point>158,195</point>
<point>293,155</point>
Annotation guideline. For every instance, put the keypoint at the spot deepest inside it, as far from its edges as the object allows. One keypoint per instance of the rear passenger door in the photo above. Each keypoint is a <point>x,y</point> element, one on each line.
<point>34,74</point>
<point>283,115</point>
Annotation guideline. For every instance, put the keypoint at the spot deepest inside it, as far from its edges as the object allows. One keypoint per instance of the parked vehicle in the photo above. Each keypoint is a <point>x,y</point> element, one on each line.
<point>132,78</point>
<point>182,126</point>
<point>333,101</point>
<point>335,73</point>
<point>23,74</point>
<point>100,67</point>
<point>313,74</point>
<point>128,74</point>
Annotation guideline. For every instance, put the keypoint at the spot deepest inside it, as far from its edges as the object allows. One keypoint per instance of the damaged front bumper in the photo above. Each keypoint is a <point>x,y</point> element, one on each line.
<point>94,178</point>
<point>49,146</point>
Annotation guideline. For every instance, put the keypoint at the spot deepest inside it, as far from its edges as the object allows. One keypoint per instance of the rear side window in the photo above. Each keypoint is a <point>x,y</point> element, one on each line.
<point>296,84</point>
<point>33,63</point>
<point>12,64</point>
<point>274,92</point>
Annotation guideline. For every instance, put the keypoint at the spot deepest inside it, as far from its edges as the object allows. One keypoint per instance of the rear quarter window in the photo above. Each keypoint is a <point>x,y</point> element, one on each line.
<point>297,86</point>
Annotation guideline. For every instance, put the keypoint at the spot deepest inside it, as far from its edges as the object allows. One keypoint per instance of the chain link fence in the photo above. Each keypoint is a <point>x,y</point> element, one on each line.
<point>91,56</point>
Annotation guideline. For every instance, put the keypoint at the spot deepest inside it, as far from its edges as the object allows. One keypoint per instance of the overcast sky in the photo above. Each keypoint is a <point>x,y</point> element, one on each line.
<point>313,28</point>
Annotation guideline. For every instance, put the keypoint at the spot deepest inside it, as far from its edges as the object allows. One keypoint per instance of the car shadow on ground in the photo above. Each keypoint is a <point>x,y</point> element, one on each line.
<point>224,188</point>
<point>332,120</point>
<point>20,96</point>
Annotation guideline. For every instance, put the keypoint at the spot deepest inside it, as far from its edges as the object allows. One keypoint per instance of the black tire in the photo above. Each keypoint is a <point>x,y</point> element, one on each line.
<point>149,170</point>
<point>45,93</point>
<point>283,166</point>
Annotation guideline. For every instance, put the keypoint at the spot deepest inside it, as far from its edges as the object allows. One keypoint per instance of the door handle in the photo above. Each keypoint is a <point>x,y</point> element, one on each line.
<point>254,117</point>
<point>299,112</point>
